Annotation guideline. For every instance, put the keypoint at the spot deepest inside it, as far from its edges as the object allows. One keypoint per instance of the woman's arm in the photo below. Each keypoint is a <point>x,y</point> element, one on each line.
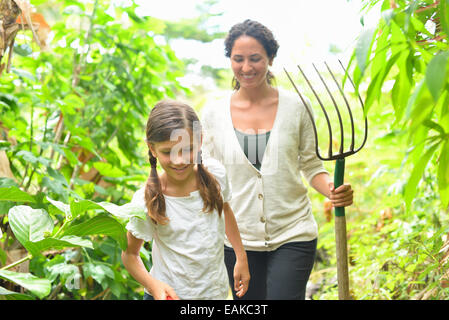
<point>340,197</point>
<point>133,263</point>
<point>241,270</point>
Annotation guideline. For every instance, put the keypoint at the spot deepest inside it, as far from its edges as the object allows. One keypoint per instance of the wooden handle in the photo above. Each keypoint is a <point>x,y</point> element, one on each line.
<point>342,258</point>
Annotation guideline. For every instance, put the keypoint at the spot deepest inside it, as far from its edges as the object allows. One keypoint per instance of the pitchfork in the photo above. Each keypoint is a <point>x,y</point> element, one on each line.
<point>340,219</point>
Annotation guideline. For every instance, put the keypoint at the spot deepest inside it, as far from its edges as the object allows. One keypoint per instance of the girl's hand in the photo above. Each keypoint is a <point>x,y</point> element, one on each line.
<point>241,277</point>
<point>342,196</point>
<point>160,291</point>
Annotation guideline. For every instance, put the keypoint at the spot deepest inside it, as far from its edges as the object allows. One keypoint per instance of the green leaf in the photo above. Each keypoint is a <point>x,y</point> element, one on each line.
<point>68,241</point>
<point>29,225</point>
<point>100,225</point>
<point>39,287</point>
<point>15,194</point>
<point>98,271</point>
<point>443,174</point>
<point>11,295</point>
<point>363,48</point>
<point>435,126</point>
<point>106,169</point>
<point>125,211</point>
<point>71,102</point>
<point>374,91</point>
<point>64,208</point>
<point>30,157</point>
<point>416,175</point>
<point>436,74</point>
<point>7,182</point>
<point>64,270</point>
<point>55,186</point>
<point>444,16</point>
<point>401,89</point>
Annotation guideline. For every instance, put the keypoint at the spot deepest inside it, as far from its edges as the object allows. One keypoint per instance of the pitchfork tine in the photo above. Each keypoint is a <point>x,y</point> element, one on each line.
<point>324,111</point>
<point>363,107</point>
<point>342,139</point>
<point>310,116</point>
<point>351,148</point>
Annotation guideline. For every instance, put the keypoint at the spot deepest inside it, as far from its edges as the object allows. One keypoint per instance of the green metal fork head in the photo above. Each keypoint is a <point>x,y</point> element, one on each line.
<point>342,153</point>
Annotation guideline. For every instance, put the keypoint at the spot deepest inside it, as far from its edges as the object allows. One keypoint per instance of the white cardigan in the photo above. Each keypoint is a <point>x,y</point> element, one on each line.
<point>271,205</point>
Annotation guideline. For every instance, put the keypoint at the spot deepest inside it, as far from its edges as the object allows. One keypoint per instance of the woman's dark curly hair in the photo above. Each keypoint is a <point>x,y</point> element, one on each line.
<point>259,32</point>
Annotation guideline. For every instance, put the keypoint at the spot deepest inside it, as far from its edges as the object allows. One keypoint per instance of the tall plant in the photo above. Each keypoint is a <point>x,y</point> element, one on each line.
<point>72,124</point>
<point>408,54</point>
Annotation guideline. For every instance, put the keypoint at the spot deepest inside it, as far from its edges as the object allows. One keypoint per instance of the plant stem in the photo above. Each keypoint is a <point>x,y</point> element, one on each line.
<point>28,257</point>
<point>60,229</point>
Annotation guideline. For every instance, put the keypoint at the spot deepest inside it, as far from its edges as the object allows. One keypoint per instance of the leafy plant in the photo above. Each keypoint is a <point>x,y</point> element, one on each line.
<point>72,126</point>
<point>408,50</point>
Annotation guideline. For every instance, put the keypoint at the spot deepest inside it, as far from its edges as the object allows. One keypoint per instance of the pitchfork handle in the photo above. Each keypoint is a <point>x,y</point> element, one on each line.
<point>340,237</point>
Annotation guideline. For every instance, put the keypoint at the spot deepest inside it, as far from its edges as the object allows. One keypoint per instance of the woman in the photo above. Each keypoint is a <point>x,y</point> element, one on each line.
<point>264,138</point>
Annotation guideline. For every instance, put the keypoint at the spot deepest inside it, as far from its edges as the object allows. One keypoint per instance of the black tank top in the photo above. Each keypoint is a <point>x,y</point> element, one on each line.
<point>253,145</point>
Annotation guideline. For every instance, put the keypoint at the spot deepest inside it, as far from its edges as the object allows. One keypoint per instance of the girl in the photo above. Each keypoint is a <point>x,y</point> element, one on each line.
<point>185,220</point>
<point>264,138</point>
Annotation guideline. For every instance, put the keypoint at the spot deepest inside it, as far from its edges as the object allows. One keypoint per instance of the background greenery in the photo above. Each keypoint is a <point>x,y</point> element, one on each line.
<point>72,124</point>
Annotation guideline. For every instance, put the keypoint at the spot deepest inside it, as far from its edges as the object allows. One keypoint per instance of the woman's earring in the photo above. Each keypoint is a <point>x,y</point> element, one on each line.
<point>235,84</point>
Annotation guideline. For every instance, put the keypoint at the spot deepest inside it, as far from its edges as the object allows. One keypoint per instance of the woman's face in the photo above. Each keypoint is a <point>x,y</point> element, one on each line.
<point>249,62</point>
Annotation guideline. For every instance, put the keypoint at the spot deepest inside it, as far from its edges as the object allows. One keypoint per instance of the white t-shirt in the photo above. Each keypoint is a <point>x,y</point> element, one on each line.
<point>188,252</point>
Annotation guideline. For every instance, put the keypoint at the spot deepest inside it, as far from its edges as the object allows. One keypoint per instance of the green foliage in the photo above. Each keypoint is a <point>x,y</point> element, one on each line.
<point>409,50</point>
<point>72,127</point>
<point>398,234</point>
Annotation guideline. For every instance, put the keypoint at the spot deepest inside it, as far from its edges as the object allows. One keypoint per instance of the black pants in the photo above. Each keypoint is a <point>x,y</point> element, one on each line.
<point>281,274</point>
<point>147,296</point>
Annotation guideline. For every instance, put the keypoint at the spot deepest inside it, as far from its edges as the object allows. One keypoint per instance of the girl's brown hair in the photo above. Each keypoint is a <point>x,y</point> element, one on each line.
<point>166,116</point>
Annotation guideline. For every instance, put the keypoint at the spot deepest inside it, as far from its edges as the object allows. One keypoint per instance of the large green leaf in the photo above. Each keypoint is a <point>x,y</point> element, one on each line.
<point>374,91</point>
<point>64,270</point>
<point>125,211</point>
<point>78,207</point>
<point>100,225</point>
<point>416,175</point>
<point>39,287</point>
<point>11,295</point>
<point>106,169</point>
<point>30,225</point>
<point>98,271</point>
<point>363,48</point>
<point>15,194</point>
<point>31,158</point>
<point>37,247</point>
<point>436,74</point>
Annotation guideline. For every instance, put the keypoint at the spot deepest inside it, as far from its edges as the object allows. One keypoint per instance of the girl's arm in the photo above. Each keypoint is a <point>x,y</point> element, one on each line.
<point>133,263</point>
<point>241,270</point>
<point>340,197</point>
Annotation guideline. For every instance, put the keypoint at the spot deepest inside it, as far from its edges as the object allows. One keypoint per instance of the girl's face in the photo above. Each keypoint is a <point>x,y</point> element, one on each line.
<point>176,156</point>
<point>249,62</point>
